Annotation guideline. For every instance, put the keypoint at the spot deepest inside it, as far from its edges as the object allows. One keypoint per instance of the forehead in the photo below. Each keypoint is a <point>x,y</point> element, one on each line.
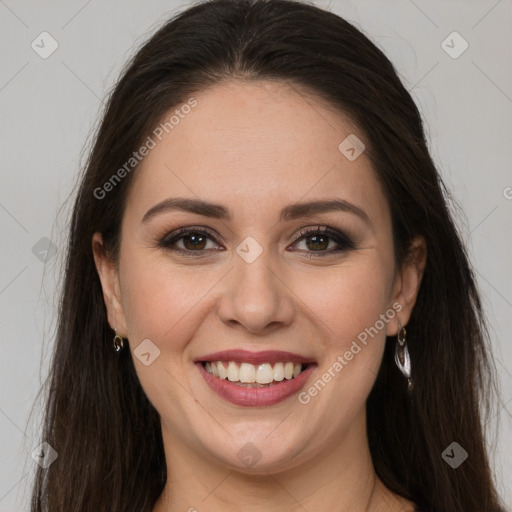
<point>257,145</point>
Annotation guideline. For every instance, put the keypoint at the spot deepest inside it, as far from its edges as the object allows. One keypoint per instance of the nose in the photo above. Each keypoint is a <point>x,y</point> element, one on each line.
<point>255,297</point>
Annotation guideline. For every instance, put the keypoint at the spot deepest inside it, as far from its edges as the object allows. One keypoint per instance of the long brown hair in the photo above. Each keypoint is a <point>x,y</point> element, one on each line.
<point>97,416</point>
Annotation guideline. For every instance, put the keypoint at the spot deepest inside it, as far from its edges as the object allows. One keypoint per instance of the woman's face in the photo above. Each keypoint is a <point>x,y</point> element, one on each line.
<point>245,277</point>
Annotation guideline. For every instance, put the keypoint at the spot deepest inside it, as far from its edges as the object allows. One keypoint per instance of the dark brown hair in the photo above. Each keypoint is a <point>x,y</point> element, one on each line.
<point>97,416</point>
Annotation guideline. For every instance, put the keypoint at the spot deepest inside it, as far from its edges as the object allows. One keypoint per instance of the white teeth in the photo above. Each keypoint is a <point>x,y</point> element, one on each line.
<point>221,370</point>
<point>247,373</point>
<point>233,372</point>
<point>288,370</point>
<point>264,374</point>
<point>279,372</point>
<point>250,374</point>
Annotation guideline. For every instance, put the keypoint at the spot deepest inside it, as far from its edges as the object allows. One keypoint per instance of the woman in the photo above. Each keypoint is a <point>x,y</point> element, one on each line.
<point>266,305</point>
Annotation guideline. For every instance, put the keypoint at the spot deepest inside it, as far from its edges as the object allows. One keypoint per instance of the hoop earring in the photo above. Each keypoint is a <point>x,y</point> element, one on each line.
<point>402,358</point>
<point>118,342</point>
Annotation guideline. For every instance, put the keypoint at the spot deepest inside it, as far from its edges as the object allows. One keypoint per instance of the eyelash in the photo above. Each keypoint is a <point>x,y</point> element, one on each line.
<point>340,238</point>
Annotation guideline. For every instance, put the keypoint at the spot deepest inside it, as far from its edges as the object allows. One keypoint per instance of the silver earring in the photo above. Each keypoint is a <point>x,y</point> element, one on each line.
<point>402,359</point>
<point>118,342</point>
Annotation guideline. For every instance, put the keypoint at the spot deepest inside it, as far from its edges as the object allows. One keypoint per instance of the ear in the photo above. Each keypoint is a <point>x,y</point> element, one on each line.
<point>407,283</point>
<point>109,277</point>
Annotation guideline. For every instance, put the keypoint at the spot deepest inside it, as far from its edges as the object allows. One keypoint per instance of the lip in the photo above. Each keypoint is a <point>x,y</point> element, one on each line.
<point>244,356</point>
<point>255,397</point>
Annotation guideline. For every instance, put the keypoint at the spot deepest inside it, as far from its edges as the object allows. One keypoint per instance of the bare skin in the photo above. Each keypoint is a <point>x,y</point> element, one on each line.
<point>255,148</point>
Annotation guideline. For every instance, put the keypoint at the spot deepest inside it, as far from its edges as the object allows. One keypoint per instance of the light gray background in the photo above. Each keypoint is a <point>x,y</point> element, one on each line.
<point>48,107</point>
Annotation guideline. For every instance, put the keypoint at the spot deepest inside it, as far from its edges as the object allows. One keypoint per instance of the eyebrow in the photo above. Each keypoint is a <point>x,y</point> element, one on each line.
<point>289,212</point>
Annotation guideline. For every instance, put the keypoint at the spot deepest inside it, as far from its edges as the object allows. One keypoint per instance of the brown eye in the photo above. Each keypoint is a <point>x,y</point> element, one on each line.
<point>194,241</point>
<point>317,240</point>
<point>188,241</point>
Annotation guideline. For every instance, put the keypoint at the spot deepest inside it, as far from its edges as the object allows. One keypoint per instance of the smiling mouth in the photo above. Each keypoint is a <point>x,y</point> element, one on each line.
<point>254,376</point>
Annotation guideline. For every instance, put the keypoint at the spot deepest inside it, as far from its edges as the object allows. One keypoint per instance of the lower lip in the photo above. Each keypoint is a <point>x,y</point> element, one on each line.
<point>256,397</point>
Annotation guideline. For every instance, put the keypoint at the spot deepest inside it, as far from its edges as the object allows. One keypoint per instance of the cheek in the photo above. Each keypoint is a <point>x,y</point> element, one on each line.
<point>163,304</point>
<point>348,298</point>
<point>162,301</point>
<point>349,305</point>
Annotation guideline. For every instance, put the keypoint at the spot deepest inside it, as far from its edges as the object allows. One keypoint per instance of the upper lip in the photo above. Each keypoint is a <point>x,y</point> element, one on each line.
<point>244,356</point>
